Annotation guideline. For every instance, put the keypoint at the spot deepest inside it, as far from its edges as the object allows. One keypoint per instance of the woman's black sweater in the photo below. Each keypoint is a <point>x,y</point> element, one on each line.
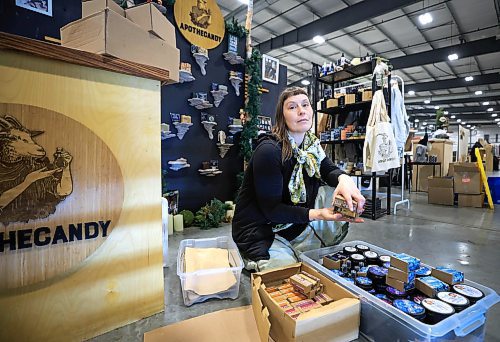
<point>264,199</point>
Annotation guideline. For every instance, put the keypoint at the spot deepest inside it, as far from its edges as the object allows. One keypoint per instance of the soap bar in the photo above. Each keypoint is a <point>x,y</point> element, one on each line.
<point>405,262</point>
<point>185,119</point>
<point>448,275</point>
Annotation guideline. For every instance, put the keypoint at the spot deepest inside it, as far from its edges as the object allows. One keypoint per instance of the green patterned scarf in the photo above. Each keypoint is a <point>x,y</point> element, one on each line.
<point>310,158</point>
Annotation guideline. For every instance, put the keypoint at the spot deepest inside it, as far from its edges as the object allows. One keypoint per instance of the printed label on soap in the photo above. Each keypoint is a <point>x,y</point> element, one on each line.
<point>468,291</point>
<point>437,306</point>
<point>452,298</point>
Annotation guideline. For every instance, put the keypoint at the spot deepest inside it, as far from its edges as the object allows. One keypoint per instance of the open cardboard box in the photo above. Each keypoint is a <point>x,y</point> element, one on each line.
<point>337,321</point>
<point>150,19</point>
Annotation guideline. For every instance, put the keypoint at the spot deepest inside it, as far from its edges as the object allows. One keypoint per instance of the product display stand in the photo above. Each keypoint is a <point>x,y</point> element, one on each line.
<point>185,76</point>
<point>182,129</point>
<point>201,59</point>
<point>200,104</point>
<point>236,82</point>
<point>223,149</point>
<point>233,58</point>
<point>209,126</point>
<point>403,165</point>
<point>218,96</point>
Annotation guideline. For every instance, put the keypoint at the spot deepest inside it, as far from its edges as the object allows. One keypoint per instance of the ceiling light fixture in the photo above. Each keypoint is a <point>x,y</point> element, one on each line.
<point>494,115</point>
<point>305,82</point>
<point>319,39</point>
<point>469,79</point>
<point>478,92</point>
<point>497,119</point>
<point>453,117</point>
<point>446,112</point>
<point>245,2</point>
<point>411,92</point>
<point>453,57</point>
<point>489,109</point>
<point>486,103</point>
<point>427,101</point>
<point>468,126</point>
<point>425,124</point>
<point>458,120</point>
<point>417,120</point>
<point>425,18</point>
<point>436,107</point>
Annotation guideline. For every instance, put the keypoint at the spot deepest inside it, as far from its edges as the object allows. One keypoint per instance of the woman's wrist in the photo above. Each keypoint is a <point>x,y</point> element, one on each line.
<point>313,214</point>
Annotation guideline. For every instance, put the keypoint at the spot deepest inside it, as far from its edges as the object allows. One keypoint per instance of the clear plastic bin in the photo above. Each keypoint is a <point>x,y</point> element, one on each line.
<point>383,322</point>
<point>235,262</point>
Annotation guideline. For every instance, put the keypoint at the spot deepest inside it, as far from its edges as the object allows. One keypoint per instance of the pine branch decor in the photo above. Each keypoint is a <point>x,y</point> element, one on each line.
<point>234,28</point>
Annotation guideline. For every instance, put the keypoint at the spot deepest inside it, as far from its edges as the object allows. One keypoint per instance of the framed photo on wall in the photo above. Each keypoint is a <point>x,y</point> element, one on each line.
<point>270,69</point>
<point>40,6</point>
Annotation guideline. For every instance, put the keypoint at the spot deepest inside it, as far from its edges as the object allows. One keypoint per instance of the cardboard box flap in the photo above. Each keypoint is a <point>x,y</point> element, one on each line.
<point>260,313</point>
<point>440,182</point>
<point>222,326</point>
<point>309,327</point>
<point>465,167</point>
<point>277,274</point>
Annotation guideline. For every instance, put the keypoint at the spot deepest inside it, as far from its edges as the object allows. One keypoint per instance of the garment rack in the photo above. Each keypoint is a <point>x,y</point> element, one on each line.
<point>403,173</point>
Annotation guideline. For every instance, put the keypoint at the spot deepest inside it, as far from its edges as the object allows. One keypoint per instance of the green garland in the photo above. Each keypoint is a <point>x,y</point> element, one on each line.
<point>234,28</point>
<point>252,104</point>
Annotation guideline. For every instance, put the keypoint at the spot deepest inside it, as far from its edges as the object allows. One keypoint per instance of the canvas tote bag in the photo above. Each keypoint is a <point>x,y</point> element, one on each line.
<point>379,151</point>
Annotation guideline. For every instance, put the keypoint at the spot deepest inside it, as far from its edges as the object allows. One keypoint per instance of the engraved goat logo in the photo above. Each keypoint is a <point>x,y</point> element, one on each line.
<point>30,185</point>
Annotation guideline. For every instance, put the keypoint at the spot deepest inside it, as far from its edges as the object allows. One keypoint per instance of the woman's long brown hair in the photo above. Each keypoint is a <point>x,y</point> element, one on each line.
<point>280,130</point>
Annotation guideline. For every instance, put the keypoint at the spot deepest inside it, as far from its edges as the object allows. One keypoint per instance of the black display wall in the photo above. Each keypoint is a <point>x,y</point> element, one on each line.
<point>270,99</point>
<point>26,23</point>
<point>194,189</point>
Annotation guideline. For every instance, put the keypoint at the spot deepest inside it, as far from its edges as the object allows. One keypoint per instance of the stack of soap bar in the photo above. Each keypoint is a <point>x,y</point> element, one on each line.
<point>401,273</point>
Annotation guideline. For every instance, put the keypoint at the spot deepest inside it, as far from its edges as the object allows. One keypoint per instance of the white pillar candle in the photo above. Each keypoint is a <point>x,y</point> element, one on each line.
<point>170,224</point>
<point>178,223</point>
<point>229,202</point>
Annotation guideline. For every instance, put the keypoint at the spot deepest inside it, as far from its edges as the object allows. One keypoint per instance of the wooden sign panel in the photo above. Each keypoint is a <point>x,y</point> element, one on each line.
<point>200,22</point>
<point>61,194</point>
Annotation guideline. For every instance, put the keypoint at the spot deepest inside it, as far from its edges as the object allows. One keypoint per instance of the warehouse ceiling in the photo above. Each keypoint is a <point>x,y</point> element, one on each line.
<point>392,29</point>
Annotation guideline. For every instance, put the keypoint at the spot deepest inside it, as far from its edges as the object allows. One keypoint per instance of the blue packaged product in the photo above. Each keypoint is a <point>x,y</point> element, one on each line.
<point>215,86</point>
<point>350,280</point>
<point>338,272</point>
<point>386,265</point>
<point>457,276</point>
<point>434,283</point>
<point>381,296</point>
<point>372,291</point>
<point>377,274</point>
<point>232,43</point>
<point>413,263</point>
<point>423,272</point>
<point>410,308</point>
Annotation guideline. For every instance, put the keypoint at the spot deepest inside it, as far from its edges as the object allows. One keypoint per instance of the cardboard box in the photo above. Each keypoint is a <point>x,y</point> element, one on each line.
<point>367,95</point>
<point>237,324</point>
<point>332,103</point>
<point>90,7</point>
<point>337,321</point>
<point>440,190</point>
<point>467,178</point>
<point>350,98</point>
<point>108,33</point>
<point>150,19</point>
<point>449,276</point>
<point>399,285</point>
<point>473,201</point>
<point>405,277</point>
<point>424,171</point>
<point>443,149</point>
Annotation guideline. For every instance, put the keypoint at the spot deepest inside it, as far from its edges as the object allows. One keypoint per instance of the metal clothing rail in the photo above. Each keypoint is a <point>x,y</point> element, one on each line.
<point>403,173</point>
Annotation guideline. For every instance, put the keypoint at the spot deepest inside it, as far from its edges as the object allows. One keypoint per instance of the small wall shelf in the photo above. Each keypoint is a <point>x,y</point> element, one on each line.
<point>178,164</point>
<point>236,82</point>
<point>218,96</point>
<point>223,149</point>
<point>209,172</point>
<point>233,129</point>
<point>182,129</point>
<point>233,58</point>
<point>200,104</point>
<point>209,126</point>
<point>185,76</point>
<point>201,59</point>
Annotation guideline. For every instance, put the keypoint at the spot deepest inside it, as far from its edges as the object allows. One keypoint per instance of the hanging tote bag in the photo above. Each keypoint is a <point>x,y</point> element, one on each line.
<point>379,151</point>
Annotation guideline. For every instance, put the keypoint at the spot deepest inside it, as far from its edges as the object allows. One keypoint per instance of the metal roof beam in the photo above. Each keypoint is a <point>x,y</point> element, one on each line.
<point>469,49</point>
<point>481,109</point>
<point>459,100</point>
<point>346,17</point>
<point>454,82</point>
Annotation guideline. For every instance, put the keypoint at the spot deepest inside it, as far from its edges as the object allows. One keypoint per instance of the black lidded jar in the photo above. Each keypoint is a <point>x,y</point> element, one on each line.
<point>394,294</point>
<point>456,300</point>
<point>382,259</point>
<point>365,283</point>
<point>377,274</point>
<point>348,250</point>
<point>410,308</point>
<point>356,259</point>
<point>437,310</point>
<point>362,248</point>
<point>371,257</point>
<point>471,293</point>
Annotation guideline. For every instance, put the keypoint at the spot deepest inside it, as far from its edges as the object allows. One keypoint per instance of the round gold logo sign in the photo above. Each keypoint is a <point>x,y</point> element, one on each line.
<point>200,22</point>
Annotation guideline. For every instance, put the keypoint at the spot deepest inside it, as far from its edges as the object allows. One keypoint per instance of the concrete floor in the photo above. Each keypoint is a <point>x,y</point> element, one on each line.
<point>465,238</point>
